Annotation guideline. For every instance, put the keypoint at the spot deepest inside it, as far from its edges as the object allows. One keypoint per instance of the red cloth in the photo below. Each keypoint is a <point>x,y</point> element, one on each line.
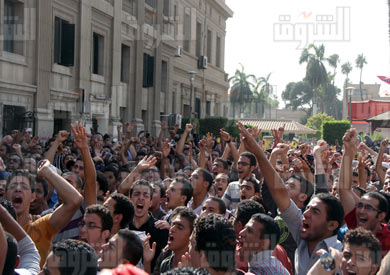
<point>281,254</point>
<point>383,235</point>
<point>128,269</point>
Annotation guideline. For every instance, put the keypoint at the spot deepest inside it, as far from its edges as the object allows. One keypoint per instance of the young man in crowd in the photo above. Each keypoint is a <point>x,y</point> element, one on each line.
<point>249,188</point>
<point>201,181</point>
<point>158,198</point>
<point>179,193</point>
<point>214,205</point>
<point>96,226</point>
<point>125,247</point>
<point>20,191</point>
<point>368,211</point>
<point>121,210</point>
<point>221,182</point>
<point>256,243</point>
<point>316,228</point>
<point>141,193</point>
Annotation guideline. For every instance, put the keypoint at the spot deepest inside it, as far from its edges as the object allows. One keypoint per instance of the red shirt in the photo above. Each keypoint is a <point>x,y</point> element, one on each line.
<point>382,235</point>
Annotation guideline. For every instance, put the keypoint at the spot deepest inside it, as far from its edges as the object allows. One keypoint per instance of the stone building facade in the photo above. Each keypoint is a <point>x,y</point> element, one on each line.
<point>109,61</point>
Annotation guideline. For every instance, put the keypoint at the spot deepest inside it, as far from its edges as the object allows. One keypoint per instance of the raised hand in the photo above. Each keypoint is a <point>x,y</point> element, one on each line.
<point>202,144</point>
<point>2,165</point>
<point>188,127</point>
<point>43,168</point>
<point>160,224</point>
<point>321,147</point>
<point>246,137</point>
<point>281,149</point>
<point>384,144</point>
<point>149,252</point>
<point>209,140</point>
<point>129,127</point>
<point>146,163</point>
<point>166,149</point>
<point>225,136</point>
<point>119,128</point>
<point>254,132</point>
<point>62,135</point>
<point>185,260</point>
<point>350,142</point>
<point>164,125</point>
<point>17,147</point>
<point>80,137</point>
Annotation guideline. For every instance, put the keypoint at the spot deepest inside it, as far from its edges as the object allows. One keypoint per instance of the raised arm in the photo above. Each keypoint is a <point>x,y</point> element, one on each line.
<point>71,198</point>
<point>230,145</point>
<point>320,183</point>
<point>61,136</point>
<point>180,144</point>
<point>378,164</point>
<point>81,141</point>
<point>347,197</point>
<point>202,153</point>
<point>4,248</point>
<point>274,182</point>
<point>143,165</point>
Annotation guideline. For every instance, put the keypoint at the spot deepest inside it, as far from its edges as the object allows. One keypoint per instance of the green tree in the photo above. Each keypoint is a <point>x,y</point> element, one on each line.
<point>315,122</point>
<point>298,95</point>
<point>262,91</point>
<point>316,74</point>
<point>346,68</point>
<point>241,88</point>
<point>333,61</point>
<point>360,62</point>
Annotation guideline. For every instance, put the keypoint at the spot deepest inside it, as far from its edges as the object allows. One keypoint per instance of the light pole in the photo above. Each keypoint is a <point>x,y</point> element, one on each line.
<point>191,75</point>
<point>350,91</point>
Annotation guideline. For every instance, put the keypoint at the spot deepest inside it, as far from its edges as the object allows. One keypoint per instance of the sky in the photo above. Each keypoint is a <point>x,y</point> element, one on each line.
<point>268,37</point>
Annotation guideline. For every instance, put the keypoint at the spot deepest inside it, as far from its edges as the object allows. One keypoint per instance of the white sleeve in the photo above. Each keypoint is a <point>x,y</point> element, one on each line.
<point>29,256</point>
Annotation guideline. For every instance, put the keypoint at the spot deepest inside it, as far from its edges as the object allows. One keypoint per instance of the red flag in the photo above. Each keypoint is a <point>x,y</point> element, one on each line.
<point>384,78</point>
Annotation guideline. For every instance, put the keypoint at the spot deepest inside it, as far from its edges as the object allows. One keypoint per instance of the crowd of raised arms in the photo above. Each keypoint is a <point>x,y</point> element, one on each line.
<point>84,203</point>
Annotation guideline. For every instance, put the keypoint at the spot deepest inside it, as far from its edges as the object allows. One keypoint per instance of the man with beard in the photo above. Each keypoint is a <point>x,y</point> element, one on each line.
<point>316,228</point>
<point>141,193</point>
<point>368,211</point>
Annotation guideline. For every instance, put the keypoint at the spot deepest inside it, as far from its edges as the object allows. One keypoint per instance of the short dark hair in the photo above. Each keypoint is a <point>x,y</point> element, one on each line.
<point>271,229</point>
<point>80,183</point>
<point>44,185</point>
<point>250,156</point>
<point>186,213</point>
<point>334,209</point>
<point>11,256</point>
<point>306,186</point>
<point>102,181</point>
<point>187,189</point>
<point>111,168</point>
<point>221,204</point>
<point>104,213</point>
<point>256,185</point>
<point>133,249</point>
<point>123,206</point>
<point>75,257</point>
<point>246,209</point>
<point>207,176</point>
<point>215,236</point>
<point>143,183</point>
<point>22,173</point>
<point>224,163</point>
<point>187,270</point>
<point>367,239</point>
<point>382,201</point>
<point>162,188</point>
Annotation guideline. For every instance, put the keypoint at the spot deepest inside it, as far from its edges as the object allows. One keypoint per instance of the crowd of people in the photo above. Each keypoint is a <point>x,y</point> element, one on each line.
<point>83,203</point>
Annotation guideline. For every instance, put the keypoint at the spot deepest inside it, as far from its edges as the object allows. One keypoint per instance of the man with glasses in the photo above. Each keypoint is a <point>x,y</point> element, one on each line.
<point>14,163</point>
<point>368,211</point>
<point>95,228</point>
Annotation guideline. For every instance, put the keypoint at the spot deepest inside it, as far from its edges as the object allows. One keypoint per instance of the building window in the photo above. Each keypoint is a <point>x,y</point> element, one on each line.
<point>151,3</point>
<point>187,29</point>
<point>209,45</point>
<point>166,7</point>
<point>13,27</point>
<point>198,39</point>
<point>164,76</point>
<point>148,73</point>
<point>129,6</point>
<point>98,54</point>
<point>64,35</point>
<point>218,53</point>
<point>125,63</point>
<point>208,108</point>
<point>197,107</point>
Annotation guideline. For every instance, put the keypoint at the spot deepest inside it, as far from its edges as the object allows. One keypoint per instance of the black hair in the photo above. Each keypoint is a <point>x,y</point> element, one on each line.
<point>143,183</point>
<point>215,236</point>
<point>80,183</point>
<point>306,186</point>
<point>207,176</point>
<point>44,185</point>
<point>124,206</point>
<point>11,256</point>
<point>7,148</point>
<point>365,238</point>
<point>250,156</point>
<point>22,173</point>
<point>111,168</point>
<point>387,197</point>
<point>76,257</point>
<point>221,204</point>
<point>133,249</point>
<point>9,207</point>
<point>187,270</point>
<point>104,213</point>
<point>162,188</point>
<point>256,185</point>
<point>271,229</point>
<point>224,163</point>
<point>246,209</point>
<point>334,209</point>
<point>102,181</point>
<point>187,189</point>
<point>186,213</point>
<point>383,205</point>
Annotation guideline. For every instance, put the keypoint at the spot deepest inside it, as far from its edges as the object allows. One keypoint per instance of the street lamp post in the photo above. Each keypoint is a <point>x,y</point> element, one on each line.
<point>191,75</point>
<point>350,91</point>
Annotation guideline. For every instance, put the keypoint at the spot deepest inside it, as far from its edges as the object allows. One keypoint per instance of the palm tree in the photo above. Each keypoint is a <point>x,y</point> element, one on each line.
<point>346,68</point>
<point>333,61</point>
<point>360,62</point>
<point>263,90</point>
<point>315,70</point>
<point>241,88</point>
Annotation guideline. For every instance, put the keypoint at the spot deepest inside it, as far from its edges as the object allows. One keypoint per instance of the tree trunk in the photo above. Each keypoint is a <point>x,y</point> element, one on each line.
<point>360,84</point>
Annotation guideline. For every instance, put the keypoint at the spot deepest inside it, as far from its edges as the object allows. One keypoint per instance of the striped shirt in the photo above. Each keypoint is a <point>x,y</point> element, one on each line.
<point>265,264</point>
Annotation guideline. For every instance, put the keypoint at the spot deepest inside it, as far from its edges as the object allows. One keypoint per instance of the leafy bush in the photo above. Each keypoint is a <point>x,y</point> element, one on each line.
<point>334,130</point>
<point>315,122</point>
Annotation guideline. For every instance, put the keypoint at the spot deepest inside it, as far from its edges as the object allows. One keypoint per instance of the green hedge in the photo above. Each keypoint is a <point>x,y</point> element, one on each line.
<point>334,130</point>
